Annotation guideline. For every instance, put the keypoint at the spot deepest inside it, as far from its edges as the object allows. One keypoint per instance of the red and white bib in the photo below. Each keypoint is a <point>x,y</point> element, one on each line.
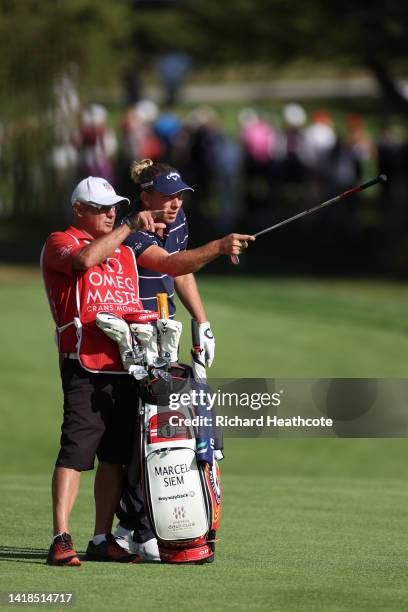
<point>76,296</point>
<point>112,287</point>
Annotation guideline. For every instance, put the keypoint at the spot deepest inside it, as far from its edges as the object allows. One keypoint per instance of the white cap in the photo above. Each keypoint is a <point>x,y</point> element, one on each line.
<point>95,190</point>
<point>147,111</point>
<point>94,114</point>
<point>294,115</point>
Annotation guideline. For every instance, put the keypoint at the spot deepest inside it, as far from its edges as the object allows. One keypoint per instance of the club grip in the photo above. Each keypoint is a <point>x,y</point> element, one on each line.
<point>235,259</point>
<point>163,305</point>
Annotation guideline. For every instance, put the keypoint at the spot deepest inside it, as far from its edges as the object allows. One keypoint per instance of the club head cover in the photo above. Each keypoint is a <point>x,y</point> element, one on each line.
<point>169,335</point>
<point>145,335</point>
<point>116,329</point>
<point>141,316</point>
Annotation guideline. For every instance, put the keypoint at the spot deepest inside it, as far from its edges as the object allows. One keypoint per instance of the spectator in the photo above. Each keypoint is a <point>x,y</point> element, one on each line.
<point>97,143</point>
<point>173,68</point>
<point>294,168</point>
<point>320,138</point>
<point>262,154</point>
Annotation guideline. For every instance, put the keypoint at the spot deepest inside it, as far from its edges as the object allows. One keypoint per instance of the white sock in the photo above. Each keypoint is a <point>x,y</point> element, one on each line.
<point>123,532</point>
<point>97,539</point>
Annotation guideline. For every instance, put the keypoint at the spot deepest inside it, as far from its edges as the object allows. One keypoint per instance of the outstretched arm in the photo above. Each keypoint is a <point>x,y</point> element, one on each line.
<point>184,262</point>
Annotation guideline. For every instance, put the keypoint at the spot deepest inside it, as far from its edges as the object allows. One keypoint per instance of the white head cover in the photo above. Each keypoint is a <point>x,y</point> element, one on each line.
<point>169,333</point>
<point>95,190</point>
<point>116,329</point>
<point>146,336</point>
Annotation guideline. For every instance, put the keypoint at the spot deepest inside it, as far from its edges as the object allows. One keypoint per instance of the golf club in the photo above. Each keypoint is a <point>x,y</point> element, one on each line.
<point>379,179</point>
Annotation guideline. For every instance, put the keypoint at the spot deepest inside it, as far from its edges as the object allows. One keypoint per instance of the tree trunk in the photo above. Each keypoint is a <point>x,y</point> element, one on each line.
<point>388,85</point>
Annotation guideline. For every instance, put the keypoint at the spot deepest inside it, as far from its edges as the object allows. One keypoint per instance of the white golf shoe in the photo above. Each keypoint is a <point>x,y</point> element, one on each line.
<point>124,537</point>
<point>148,551</point>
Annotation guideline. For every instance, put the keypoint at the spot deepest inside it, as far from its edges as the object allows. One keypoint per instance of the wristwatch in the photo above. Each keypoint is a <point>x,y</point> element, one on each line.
<point>129,222</point>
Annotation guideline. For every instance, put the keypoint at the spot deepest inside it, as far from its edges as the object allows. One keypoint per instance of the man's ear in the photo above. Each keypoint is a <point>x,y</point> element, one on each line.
<point>77,210</point>
<point>144,199</point>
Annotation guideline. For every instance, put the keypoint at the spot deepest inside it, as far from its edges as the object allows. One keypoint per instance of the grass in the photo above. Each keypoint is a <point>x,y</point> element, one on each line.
<point>307,523</point>
<point>306,328</point>
<point>290,543</point>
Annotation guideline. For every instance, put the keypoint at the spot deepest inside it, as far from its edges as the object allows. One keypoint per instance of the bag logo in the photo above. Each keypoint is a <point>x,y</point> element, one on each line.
<point>179,512</point>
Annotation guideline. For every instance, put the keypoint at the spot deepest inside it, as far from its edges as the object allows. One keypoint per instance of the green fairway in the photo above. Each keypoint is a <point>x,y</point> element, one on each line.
<point>307,328</point>
<point>307,524</point>
<point>293,543</point>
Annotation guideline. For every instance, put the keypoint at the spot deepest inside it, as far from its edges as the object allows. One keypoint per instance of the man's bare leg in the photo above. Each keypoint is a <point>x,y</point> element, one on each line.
<point>65,486</point>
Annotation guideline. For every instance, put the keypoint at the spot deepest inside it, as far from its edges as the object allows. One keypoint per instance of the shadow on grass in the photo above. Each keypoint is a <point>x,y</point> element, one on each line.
<point>18,554</point>
<point>22,555</point>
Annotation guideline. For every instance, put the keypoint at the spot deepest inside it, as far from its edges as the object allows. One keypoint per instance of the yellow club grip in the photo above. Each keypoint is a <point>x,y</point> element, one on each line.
<point>162,305</point>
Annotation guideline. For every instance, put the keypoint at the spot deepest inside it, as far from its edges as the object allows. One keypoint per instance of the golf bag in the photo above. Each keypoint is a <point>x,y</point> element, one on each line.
<point>180,475</point>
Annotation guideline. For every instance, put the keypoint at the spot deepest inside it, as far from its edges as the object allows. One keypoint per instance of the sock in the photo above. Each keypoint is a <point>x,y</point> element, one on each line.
<point>98,538</point>
<point>57,536</point>
<point>123,532</point>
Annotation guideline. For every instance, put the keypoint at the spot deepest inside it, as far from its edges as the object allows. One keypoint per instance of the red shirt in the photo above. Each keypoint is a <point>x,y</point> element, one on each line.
<point>60,281</point>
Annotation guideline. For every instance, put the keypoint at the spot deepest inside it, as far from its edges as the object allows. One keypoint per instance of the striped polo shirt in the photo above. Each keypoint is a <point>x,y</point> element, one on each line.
<point>175,239</point>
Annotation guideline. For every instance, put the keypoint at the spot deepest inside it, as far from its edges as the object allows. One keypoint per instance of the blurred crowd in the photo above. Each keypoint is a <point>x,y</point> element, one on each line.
<point>270,168</point>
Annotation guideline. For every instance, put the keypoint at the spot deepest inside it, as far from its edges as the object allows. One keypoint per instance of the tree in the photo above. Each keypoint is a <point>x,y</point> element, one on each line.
<point>372,35</point>
<point>41,39</point>
<point>40,42</point>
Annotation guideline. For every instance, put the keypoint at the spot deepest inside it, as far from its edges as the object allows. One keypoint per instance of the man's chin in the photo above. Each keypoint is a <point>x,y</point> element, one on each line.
<point>103,231</point>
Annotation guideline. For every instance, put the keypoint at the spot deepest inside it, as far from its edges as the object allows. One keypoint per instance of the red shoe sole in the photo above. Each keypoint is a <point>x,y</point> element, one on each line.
<point>72,562</point>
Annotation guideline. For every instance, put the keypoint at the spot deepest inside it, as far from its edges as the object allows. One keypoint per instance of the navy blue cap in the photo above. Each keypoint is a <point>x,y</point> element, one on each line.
<point>167,183</point>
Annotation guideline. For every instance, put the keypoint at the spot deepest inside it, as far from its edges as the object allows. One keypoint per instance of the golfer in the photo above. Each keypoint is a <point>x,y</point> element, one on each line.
<point>160,188</point>
<point>87,270</point>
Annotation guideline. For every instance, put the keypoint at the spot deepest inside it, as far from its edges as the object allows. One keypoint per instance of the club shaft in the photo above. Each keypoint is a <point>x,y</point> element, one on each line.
<point>298,216</point>
<point>341,196</point>
<point>378,179</point>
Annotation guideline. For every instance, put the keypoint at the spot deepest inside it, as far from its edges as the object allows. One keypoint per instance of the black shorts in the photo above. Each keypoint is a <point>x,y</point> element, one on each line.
<point>100,416</point>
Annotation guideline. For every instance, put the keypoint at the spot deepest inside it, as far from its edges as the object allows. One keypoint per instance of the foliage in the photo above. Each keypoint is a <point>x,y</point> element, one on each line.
<point>94,42</point>
<point>44,39</point>
<point>41,43</point>
<point>280,31</point>
<point>41,39</point>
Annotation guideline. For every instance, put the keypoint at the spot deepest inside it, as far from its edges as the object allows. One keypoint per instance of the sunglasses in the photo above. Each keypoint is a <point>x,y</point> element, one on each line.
<point>101,208</point>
